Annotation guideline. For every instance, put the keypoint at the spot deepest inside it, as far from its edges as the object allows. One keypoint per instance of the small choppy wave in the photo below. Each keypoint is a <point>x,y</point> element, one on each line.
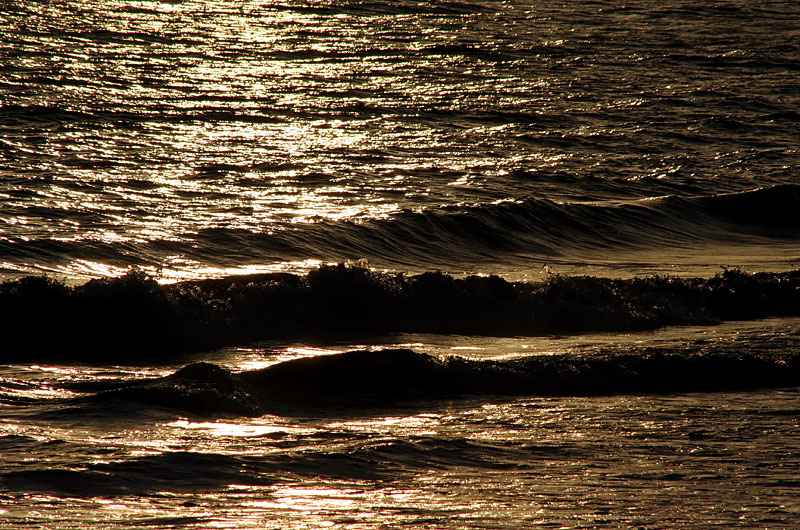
<point>191,472</point>
<point>135,319</point>
<point>178,471</point>
<point>40,114</point>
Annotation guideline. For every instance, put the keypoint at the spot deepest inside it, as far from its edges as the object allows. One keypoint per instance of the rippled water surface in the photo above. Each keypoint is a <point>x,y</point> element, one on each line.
<point>535,140</point>
<point>696,460</point>
<point>192,138</point>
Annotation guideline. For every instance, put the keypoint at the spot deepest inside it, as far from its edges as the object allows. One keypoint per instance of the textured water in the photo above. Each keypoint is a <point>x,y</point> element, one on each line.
<point>192,138</point>
<point>534,140</point>
<point>689,460</point>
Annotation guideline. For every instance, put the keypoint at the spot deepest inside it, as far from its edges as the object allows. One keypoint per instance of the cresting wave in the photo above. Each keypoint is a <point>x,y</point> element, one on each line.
<point>133,319</point>
<point>451,236</point>
<point>545,227</point>
<point>401,376</point>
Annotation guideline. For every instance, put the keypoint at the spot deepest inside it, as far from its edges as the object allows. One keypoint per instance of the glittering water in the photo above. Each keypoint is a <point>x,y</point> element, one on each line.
<point>196,139</point>
<point>191,138</point>
<point>686,460</point>
<point>651,463</point>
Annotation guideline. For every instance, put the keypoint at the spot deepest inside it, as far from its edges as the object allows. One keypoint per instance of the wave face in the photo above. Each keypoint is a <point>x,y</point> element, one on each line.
<point>205,140</point>
<point>133,318</point>
<point>522,233</point>
<point>543,228</point>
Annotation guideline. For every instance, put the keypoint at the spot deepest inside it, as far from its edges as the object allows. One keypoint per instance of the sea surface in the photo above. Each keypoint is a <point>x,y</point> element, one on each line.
<point>399,264</point>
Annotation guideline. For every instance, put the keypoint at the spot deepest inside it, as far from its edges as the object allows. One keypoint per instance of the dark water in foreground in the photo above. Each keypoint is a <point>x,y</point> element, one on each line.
<point>112,447</point>
<point>602,160</point>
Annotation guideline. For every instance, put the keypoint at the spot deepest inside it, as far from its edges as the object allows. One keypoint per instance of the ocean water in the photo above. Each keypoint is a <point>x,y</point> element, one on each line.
<point>382,264</point>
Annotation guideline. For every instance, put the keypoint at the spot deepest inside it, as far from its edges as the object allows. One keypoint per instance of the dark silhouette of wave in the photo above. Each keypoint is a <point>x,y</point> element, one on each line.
<point>370,379</point>
<point>365,382</point>
<point>133,319</point>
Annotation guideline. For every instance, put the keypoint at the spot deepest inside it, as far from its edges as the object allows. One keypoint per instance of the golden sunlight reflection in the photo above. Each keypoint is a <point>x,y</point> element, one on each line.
<point>40,392</point>
<point>501,348</point>
<point>174,269</point>
<point>307,351</point>
<point>287,354</point>
<point>179,269</point>
<point>307,499</point>
<point>419,424</point>
<point>84,268</point>
<point>221,428</point>
<point>257,358</point>
<point>61,373</point>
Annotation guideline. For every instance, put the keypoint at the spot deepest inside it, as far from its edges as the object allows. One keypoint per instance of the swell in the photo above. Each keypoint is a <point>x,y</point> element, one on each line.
<point>545,227</point>
<point>365,380</point>
<point>133,319</point>
<point>186,472</point>
<point>451,236</point>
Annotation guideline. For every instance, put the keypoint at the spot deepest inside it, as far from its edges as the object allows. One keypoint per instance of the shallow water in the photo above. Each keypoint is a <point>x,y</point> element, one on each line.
<point>694,461</point>
<point>690,460</point>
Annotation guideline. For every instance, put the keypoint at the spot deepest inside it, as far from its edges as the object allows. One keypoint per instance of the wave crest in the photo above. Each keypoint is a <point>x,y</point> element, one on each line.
<point>134,319</point>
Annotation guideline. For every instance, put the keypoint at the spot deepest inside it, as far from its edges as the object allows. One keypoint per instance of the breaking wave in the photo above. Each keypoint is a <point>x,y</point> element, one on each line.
<point>133,319</point>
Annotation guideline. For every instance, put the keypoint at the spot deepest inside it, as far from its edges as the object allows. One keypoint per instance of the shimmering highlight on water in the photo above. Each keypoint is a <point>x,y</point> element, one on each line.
<point>197,139</point>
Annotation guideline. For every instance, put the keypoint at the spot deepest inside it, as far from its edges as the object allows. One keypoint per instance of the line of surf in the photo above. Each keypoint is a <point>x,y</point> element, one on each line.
<point>133,319</point>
